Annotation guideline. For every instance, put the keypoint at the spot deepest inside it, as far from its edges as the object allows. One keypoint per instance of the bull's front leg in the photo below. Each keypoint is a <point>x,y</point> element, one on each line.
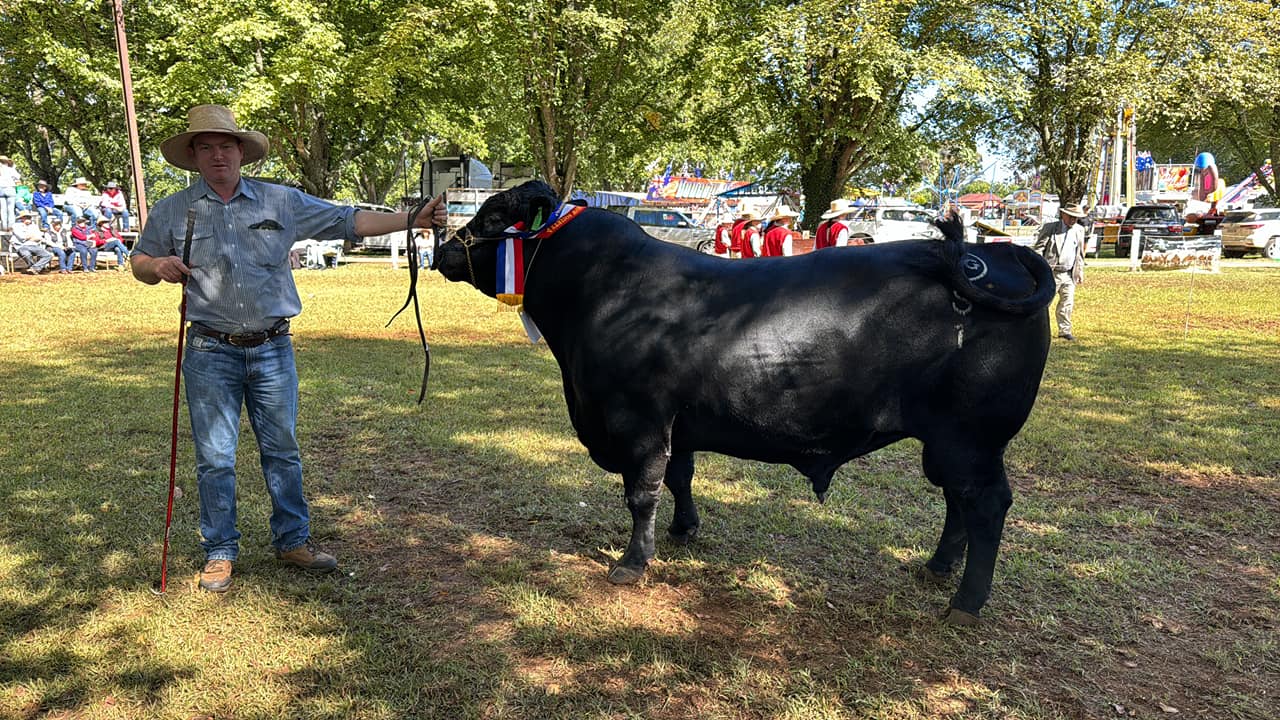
<point>642,483</point>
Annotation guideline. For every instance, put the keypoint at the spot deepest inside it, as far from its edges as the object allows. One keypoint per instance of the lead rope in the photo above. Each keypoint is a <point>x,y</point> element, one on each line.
<point>412,247</point>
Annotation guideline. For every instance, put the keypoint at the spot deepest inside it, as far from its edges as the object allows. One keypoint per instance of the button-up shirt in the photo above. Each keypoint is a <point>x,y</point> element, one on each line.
<point>240,279</point>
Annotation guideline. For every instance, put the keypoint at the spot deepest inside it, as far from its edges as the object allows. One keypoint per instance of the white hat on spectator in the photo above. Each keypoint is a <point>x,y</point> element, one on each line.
<point>111,185</point>
<point>212,119</point>
<point>838,207</point>
<point>80,181</point>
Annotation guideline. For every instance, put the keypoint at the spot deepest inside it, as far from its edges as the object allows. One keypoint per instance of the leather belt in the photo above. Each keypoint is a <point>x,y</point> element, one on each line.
<point>245,340</point>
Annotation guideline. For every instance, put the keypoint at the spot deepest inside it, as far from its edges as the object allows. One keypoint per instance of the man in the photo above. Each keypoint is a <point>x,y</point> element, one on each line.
<point>78,200</point>
<point>84,244</point>
<point>777,241</point>
<point>749,235</point>
<point>1062,244</point>
<point>106,238</point>
<point>42,199</point>
<point>735,233</point>
<point>832,232</point>
<point>722,240</point>
<point>29,243</point>
<point>112,203</point>
<point>240,297</point>
<point>58,240</point>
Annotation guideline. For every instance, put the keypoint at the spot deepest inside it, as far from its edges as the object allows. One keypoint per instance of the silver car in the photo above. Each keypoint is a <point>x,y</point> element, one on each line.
<point>1250,231</point>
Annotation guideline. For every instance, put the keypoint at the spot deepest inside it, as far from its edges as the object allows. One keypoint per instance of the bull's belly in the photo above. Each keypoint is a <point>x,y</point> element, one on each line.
<point>805,449</point>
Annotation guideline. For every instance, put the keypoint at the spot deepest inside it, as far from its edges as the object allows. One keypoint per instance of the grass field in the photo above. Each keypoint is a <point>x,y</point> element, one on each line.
<point>1140,574</point>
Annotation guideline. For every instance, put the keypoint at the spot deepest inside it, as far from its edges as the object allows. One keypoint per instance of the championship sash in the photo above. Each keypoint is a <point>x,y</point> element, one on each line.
<point>510,285</point>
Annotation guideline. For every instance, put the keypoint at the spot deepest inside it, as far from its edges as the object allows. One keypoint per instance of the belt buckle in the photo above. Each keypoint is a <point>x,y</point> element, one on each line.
<point>247,340</point>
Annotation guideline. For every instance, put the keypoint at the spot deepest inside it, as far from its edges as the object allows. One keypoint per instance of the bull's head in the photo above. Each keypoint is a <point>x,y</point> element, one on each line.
<point>471,255</point>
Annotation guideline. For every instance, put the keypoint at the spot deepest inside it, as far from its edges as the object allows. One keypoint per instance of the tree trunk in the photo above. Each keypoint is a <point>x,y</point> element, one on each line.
<point>821,182</point>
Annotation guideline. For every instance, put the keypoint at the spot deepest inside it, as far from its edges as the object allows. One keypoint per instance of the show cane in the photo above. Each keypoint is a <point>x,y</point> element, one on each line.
<point>177,385</point>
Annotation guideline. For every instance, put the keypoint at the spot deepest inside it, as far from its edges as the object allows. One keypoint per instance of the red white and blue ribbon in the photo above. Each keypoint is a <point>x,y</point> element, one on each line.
<point>510,286</point>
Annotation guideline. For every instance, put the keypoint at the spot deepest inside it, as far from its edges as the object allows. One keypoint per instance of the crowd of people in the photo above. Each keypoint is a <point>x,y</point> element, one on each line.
<point>743,236</point>
<point>38,246</point>
<point>80,199</point>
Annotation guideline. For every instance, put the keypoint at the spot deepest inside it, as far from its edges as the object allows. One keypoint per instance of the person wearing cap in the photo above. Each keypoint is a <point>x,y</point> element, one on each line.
<point>777,241</point>
<point>58,241</point>
<point>84,244</point>
<point>28,243</point>
<point>106,238</point>
<point>9,179</point>
<point>42,201</point>
<point>735,232</point>
<point>1062,243</point>
<point>832,231</point>
<point>240,297</point>
<point>79,200</point>
<point>112,203</point>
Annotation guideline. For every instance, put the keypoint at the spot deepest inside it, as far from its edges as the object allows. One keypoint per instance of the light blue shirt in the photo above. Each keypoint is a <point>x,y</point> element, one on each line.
<point>240,275</point>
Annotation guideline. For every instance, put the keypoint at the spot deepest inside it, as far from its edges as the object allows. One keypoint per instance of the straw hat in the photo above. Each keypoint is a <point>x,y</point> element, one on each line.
<point>1074,210</point>
<point>41,182</point>
<point>80,181</point>
<point>25,214</point>
<point>838,208</point>
<point>103,221</point>
<point>783,213</point>
<point>748,215</point>
<point>212,119</point>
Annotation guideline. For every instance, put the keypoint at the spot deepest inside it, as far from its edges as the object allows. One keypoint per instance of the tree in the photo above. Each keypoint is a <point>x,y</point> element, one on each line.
<point>1222,88</point>
<point>1060,69</point>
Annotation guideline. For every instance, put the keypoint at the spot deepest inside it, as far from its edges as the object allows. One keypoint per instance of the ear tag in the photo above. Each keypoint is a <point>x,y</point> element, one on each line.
<point>537,219</point>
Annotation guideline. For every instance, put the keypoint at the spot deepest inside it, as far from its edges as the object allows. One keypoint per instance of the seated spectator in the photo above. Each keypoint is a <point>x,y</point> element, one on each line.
<point>79,200</point>
<point>112,203</point>
<point>58,240</point>
<point>42,199</point>
<point>84,244</point>
<point>107,238</point>
<point>28,242</point>
<point>24,197</point>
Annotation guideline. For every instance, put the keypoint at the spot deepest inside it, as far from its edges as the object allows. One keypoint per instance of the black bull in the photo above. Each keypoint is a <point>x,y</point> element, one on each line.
<point>810,361</point>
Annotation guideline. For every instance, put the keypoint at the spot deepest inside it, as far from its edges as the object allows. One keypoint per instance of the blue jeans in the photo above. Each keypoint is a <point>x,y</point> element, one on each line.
<point>88,253</point>
<point>8,202</point>
<point>220,378</point>
<point>65,257</point>
<point>43,212</point>
<point>75,212</point>
<point>124,218</point>
<point>122,252</point>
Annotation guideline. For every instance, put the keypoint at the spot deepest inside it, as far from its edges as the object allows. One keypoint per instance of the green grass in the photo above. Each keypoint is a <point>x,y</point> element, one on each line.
<point>1141,564</point>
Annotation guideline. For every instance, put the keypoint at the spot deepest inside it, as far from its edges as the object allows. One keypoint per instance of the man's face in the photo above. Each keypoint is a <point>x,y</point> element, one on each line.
<point>1068,220</point>
<point>217,156</point>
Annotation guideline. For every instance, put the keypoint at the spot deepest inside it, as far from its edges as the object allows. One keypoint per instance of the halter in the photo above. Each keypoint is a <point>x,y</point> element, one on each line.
<point>558,219</point>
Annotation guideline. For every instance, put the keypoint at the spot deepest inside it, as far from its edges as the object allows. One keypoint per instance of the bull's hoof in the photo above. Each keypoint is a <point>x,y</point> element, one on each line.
<point>683,538</point>
<point>622,575</point>
<point>959,618</point>
<point>930,575</point>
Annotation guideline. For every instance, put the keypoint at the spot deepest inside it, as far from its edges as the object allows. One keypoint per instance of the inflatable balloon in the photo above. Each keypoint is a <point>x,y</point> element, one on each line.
<point>1205,181</point>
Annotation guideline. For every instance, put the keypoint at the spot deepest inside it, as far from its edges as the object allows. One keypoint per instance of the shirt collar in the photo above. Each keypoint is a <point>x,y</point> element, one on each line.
<point>200,188</point>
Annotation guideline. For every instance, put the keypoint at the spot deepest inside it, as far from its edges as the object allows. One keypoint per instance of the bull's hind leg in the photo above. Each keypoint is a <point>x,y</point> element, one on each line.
<point>977,491</point>
<point>952,542</point>
<point>679,477</point>
<point>642,483</point>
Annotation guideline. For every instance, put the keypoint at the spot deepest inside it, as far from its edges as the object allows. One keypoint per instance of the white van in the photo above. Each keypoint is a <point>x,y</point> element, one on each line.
<point>889,223</point>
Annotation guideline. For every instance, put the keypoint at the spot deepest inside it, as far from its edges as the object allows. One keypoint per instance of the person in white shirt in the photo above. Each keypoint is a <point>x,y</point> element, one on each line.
<point>9,177</point>
<point>79,200</point>
<point>28,241</point>
<point>1062,244</point>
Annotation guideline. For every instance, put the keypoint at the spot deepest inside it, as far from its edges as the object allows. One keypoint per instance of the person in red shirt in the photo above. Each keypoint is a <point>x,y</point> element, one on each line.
<point>832,231</point>
<point>735,233</point>
<point>723,239</point>
<point>749,235</point>
<point>777,241</point>
<point>106,238</point>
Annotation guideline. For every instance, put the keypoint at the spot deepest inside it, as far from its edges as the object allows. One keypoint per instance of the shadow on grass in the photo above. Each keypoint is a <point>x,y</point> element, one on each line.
<point>474,534</point>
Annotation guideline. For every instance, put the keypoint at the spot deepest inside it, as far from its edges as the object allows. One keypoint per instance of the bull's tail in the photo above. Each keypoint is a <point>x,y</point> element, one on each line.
<point>982,284</point>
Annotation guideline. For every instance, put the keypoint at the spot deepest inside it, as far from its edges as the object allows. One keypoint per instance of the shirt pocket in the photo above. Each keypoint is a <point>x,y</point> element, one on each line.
<point>267,248</point>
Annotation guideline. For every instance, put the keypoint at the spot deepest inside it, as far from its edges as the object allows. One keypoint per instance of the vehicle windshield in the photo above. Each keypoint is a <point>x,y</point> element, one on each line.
<point>1238,216</point>
<point>904,215</point>
<point>1160,214</point>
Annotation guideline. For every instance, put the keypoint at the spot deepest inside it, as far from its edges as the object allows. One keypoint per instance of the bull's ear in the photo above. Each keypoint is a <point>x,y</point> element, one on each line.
<point>538,212</point>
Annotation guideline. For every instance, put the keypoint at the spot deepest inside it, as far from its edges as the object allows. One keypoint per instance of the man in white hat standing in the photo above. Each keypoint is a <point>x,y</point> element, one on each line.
<point>240,297</point>
<point>1062,243</point>
<point>777,240</point>
<point>832,232</point>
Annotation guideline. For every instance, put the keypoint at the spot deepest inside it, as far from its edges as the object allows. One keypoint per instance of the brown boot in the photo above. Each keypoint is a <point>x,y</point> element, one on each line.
<point>308,557</point>
<point>216,576</point>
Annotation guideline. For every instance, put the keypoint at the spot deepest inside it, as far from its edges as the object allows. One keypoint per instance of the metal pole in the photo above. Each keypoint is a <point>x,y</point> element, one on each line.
<point>131,118</point>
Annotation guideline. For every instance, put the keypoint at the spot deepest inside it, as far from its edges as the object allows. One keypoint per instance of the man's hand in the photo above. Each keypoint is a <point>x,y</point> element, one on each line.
<point>152,270</point>
<point>435,214</point>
